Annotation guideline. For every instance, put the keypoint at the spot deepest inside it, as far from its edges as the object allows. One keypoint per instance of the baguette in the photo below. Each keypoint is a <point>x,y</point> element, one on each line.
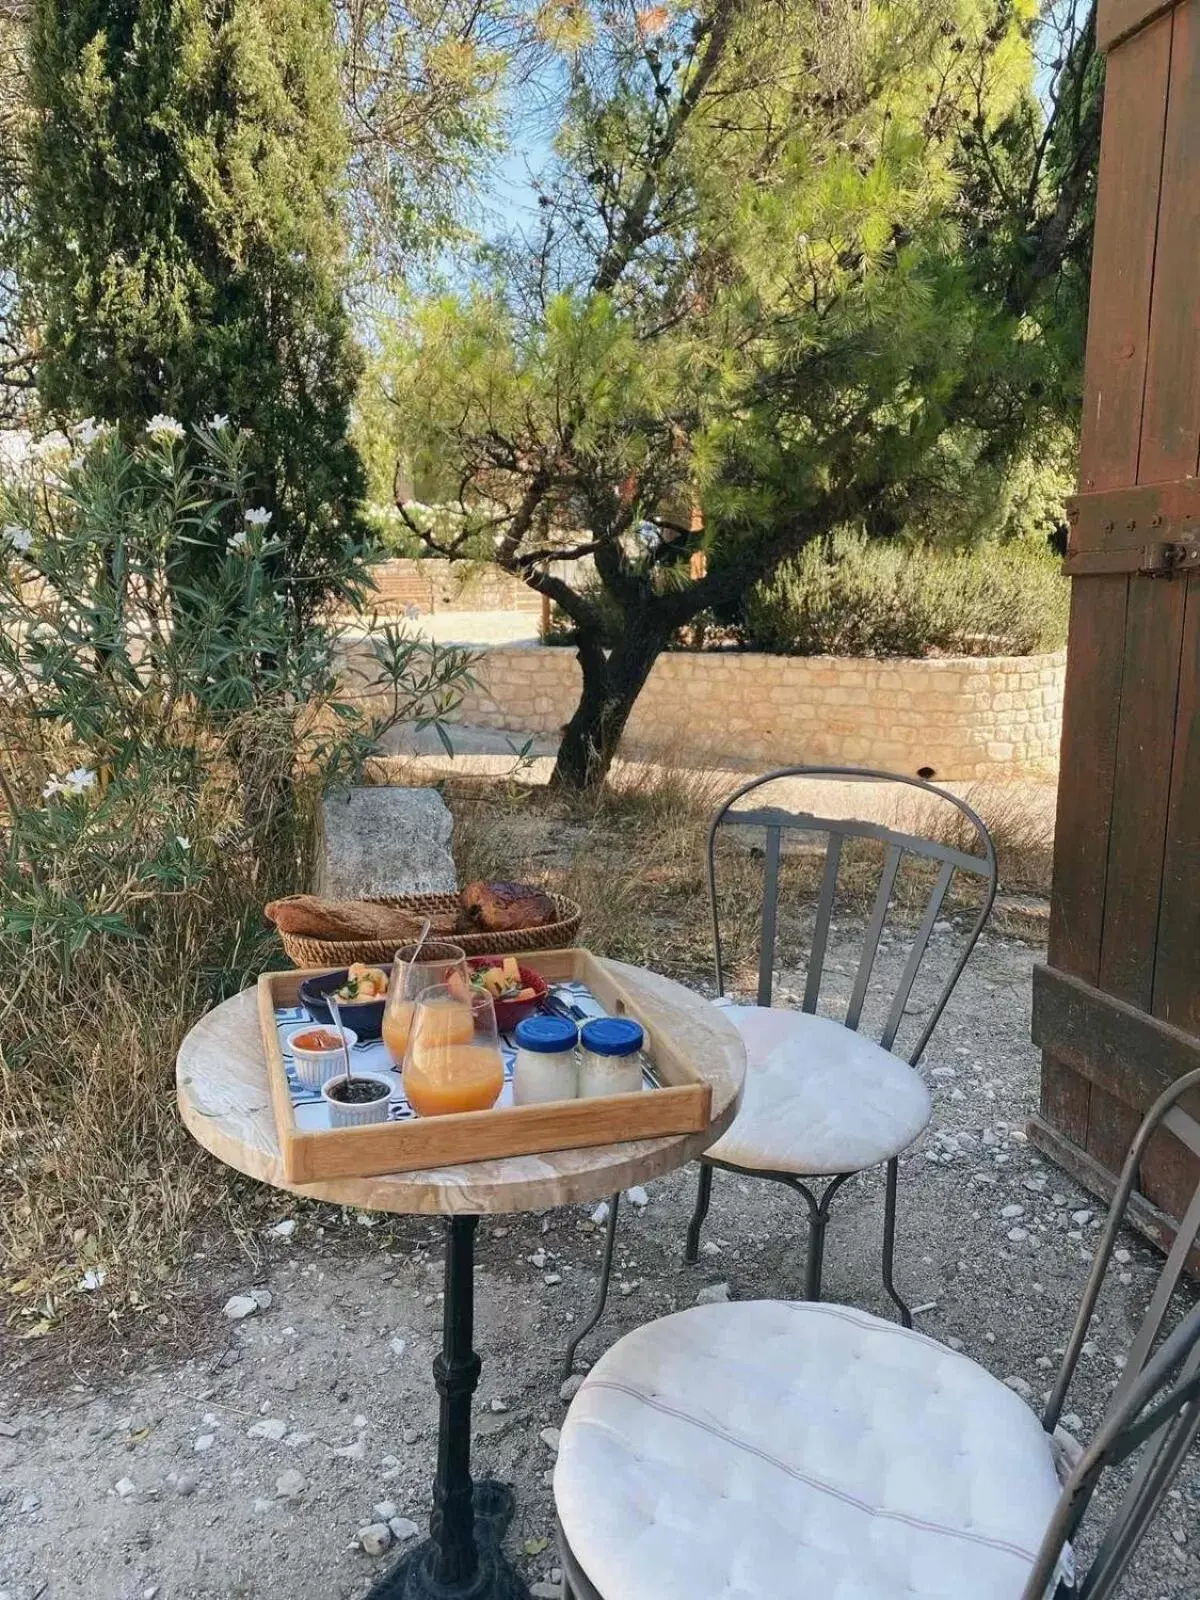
<point>313,918</point>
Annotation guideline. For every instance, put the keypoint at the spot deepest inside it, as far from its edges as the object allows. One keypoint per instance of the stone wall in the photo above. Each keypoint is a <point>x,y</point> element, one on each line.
<point>961,718</point>
<point>437,585</point>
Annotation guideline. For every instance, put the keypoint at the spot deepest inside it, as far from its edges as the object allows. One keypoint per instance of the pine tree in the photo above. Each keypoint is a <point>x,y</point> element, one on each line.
<point>781,274</point>
<point>186,257</point>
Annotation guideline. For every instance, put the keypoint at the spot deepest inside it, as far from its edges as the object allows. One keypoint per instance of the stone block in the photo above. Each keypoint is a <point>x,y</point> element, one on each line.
<point>385,840</point>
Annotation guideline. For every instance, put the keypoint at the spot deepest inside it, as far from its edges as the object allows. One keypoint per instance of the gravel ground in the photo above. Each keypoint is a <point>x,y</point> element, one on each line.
<point>248,1469</point>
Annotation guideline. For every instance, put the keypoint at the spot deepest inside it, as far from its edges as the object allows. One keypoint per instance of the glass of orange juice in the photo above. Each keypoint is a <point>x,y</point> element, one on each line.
<point>438,962</point>
<point>453,1061</point>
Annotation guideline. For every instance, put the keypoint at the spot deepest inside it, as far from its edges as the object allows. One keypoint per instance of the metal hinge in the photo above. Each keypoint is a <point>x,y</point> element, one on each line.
<point>1161,560</point>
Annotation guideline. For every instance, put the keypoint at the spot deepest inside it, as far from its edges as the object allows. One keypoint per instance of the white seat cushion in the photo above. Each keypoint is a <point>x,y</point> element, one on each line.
<point>819,1098</point>
<point>771,1451</point>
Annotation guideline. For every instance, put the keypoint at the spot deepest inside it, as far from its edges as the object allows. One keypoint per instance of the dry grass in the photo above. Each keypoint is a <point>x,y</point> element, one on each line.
<point>99,1180</point>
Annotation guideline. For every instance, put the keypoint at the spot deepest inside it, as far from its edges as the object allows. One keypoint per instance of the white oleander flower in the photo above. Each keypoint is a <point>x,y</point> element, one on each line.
<point>164,427</point>
<point>19,538</point>
<point>183,842</point>
<point>76,782</point>
<point>51,787</point>
<point>239,541</point>
<point>218,422</point>
<point>89,430</point>
<point>257,516</point>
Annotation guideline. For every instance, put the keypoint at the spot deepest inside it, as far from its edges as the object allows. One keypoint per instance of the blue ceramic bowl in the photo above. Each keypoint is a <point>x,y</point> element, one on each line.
<point>365,1017</point>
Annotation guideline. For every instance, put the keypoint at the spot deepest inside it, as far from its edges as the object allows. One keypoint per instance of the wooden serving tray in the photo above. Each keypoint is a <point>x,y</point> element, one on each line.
<point>681,1105</point>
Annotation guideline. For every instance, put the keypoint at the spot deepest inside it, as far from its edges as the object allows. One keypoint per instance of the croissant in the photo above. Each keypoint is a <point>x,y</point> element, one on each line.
<point>505,907</point>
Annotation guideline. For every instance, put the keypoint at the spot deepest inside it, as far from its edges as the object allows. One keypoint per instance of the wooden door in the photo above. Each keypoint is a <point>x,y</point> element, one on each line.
<point>1117,1008</point>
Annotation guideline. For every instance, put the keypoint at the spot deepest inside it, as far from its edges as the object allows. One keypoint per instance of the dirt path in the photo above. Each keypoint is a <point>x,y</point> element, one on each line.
<point>247,1470</point>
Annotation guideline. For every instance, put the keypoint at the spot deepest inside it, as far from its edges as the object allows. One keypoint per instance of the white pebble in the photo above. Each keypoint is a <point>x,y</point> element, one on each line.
<point>384,1510</point>
<point>284,1229</point>
<point>376,1539</point>
<point>713,1294</point>
<point>239,1306</point>
<point>1009,1212</point>
<point>290,1485</point>
<point>600,1214</point>
<point>637,1196</point>
<point>203,1443</point>
<point>403,1528</point>
<point>269,1428</point>
<point>550,1438</point>
<point>125,1487</point>
<point>399,1346</point>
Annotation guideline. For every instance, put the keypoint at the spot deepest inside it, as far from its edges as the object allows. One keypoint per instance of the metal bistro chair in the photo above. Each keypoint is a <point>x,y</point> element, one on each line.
<point>764,1449</point>
<point>821,1100</point>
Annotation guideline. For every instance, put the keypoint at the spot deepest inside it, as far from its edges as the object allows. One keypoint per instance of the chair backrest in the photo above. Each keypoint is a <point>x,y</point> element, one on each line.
<point>949,857</point>
<point>1156,1405</point>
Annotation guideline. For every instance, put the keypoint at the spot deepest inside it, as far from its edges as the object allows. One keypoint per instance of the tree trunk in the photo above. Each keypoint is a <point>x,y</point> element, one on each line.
<point>611,685</point>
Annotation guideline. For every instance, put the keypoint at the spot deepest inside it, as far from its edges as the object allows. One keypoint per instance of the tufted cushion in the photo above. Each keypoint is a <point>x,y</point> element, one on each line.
<point>819,1098</point>
<point>769,1451</point>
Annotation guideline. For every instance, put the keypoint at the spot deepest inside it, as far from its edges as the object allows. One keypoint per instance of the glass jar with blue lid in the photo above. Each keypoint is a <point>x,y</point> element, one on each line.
<point>546,1067</point>
<point>610,1060</point>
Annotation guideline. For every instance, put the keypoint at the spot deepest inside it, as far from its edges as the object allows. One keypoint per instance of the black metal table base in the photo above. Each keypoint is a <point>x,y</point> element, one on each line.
<point>495,1578</point>
<point>462,1558</point>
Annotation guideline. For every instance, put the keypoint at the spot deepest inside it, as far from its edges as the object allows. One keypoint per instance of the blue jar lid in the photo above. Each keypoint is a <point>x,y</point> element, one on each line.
<point>546,1034</point>
<point>612,1036</point>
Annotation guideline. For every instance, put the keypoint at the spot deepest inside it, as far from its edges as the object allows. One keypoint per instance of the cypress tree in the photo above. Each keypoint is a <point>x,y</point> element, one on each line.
<point>186,243</point>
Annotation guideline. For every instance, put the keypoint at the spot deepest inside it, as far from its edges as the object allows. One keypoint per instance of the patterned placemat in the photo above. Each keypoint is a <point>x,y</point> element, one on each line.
<point>570,999</point>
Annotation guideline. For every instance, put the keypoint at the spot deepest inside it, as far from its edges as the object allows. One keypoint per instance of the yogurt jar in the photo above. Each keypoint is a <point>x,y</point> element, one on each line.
<point>545,1068</point>
<point>610,1061</point>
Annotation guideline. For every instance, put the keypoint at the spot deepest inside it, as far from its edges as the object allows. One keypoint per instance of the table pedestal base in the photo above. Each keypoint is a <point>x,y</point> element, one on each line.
<point>495,1578</point>
<point>461,1559</point>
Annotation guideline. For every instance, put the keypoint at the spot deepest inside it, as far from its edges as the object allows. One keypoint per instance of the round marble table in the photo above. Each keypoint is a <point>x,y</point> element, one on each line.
<point>224,1100</point>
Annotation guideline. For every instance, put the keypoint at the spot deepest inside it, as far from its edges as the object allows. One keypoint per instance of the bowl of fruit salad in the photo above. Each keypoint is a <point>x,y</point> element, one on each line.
<point>361,994</point>
<point>516,991</point>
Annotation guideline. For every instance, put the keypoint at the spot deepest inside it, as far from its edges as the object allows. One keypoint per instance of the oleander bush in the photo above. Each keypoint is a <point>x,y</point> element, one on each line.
<point>171,711</point>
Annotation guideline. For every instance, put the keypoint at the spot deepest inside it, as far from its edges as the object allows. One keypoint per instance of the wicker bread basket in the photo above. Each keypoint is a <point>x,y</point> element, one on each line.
<point>557,935</point>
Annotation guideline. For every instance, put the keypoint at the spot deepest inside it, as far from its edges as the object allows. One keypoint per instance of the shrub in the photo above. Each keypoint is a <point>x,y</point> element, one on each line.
<point>855,596</point>
<point>166,725</point>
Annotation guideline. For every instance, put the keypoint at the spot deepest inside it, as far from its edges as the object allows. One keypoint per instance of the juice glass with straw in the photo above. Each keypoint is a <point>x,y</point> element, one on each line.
<point>435,962</point>
<point>453,1062</point>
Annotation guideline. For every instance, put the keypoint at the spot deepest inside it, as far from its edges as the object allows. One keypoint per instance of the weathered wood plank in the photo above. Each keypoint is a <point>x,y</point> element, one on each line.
<point>1091,716</point>
<point>1177,968</point>
<point>1117,19</point>
<point>1141,787</point>
<point>1170,439</point>
<point>1118,1047</point>
<point>1124,518</point>
<point>1131,155</point>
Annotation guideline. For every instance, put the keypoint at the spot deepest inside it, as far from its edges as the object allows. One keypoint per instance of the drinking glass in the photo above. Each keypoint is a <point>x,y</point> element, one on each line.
<point>453,1061</point>
<point>439,962</point>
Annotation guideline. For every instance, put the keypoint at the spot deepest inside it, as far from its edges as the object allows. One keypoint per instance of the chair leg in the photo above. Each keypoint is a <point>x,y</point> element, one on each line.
<point>889,1240</point>
<point>818,1221</point>
<point>691,1252</point>
<point>581,1333</point>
